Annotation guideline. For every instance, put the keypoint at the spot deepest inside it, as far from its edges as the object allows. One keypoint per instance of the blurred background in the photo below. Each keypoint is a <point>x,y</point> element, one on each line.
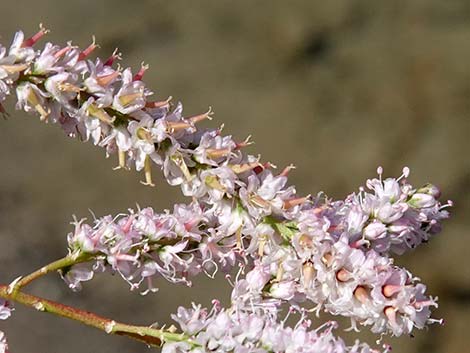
<point>335,87</point>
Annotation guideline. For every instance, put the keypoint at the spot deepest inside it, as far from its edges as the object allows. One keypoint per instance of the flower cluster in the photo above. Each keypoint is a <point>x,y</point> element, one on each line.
<point>395,217</point>
<point>92,100</point>
<point>257,331</point>
<point>290,261</point>
<point>295,249</point>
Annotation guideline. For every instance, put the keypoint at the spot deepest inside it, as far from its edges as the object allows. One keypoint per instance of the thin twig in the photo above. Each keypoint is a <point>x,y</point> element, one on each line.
<point>151,336</point>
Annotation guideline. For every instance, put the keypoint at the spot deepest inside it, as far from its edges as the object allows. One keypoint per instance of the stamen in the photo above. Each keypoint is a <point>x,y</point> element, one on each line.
<point>148,172</point>
<point>405,174</point>
<point>122,160</point>
<point>229,279</point>
<point>361,194</point>
<point>280,272</point>
<point>289,312</point>
<point>179,161</point>
<point>449,203</point>
<point>261,244</point>
<point>438,321</point>
<point>380,171</point>
<point>238,235</point>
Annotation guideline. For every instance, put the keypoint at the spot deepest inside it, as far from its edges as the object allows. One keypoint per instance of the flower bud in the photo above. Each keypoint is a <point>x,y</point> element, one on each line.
<point>375,230</point>
<point>283,290</point>
<point>258,278</point>
<point>430,189</point>
<point>389,290</point>
<point>420,200</point>
<point>343,275</point>
<point>360,293</point>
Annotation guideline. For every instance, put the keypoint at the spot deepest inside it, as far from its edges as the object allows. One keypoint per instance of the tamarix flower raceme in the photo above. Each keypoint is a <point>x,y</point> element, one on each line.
<point>309,253</point>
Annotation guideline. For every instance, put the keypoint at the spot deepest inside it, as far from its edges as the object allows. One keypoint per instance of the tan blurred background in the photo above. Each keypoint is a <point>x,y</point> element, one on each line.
<point>335,87</point>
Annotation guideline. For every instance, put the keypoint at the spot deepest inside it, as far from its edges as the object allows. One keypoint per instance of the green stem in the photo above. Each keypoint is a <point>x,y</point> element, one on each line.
<point>148,335</point>
<point>62,263</point>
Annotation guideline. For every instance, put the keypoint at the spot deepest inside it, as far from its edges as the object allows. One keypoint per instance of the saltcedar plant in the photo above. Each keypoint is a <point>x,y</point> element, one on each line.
<point>309,253</point>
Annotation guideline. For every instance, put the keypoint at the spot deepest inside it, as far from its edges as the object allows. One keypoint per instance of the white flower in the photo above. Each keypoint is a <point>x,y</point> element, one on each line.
<point>131,96</point>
